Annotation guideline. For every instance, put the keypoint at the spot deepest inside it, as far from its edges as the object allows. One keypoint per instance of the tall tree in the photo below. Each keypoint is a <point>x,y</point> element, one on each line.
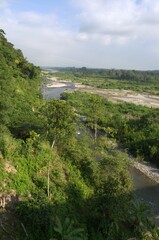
<point>60,119</point>
<point>95,114</point>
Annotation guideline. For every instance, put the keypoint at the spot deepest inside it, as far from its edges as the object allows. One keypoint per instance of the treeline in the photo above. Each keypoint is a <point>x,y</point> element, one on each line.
<point>119,74</point>
<point>143,81</point>
<point>67,184</point>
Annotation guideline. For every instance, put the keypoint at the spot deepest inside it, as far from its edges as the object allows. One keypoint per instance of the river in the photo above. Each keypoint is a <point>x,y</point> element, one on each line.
<point>144,188</point>
<point>55,92</point>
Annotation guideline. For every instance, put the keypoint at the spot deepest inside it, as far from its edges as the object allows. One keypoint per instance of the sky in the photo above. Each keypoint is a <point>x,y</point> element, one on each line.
<point>118,34</point>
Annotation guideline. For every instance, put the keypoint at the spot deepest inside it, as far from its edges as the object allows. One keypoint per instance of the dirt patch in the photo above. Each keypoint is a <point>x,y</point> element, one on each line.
<point>117,95</point>
<point>9,168</point>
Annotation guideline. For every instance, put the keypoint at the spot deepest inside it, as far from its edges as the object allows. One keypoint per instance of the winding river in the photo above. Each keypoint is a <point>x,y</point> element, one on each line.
<point>144,188</point>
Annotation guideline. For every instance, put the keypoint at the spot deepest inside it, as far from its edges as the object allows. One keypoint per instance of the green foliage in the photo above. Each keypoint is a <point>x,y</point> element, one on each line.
<point>151,235</point>
<point>19,90</point>
<point>136,128</point>
<point>9,146</point>
<point>89,183</point>
<point>141,221</point>
<point>60,120</point>
<point>67,231</point>
<point>140,136</point>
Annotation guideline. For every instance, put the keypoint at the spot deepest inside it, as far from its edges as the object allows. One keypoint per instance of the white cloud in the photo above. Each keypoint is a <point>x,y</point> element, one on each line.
<point>118,19</point>
<point>41,38</point>
<point>82,36</point>
<point>3,4</point>
<point>109,33</point>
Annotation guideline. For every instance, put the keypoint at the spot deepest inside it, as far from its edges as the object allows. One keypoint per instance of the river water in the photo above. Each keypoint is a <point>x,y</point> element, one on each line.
<point>52,92</point>
<point>144,188</point>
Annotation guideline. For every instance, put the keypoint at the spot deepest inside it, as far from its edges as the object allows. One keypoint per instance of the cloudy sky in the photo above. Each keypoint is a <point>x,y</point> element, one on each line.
<point>92,33</point>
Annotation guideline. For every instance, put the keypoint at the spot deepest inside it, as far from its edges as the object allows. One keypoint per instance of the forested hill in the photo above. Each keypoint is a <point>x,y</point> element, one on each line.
<point>56,183</point>
<point>19,89</point>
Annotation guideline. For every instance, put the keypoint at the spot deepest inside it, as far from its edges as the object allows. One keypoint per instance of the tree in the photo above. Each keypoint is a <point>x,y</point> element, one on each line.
<point>141,216</point>
<point>60,120</point>
<point>96,113</point>
<point>2,33</point>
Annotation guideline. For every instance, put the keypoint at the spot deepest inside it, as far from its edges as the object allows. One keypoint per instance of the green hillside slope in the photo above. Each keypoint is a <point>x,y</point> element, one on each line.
<point>55,183</point>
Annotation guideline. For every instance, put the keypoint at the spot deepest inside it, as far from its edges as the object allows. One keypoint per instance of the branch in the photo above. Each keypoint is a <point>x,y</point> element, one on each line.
<point>24,229</point>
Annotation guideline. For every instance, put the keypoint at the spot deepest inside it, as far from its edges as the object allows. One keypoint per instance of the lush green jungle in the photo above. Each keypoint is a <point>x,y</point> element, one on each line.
<point>62,176</point>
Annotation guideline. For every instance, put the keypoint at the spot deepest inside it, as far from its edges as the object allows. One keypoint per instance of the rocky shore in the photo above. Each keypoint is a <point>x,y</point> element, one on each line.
<point>150,171</point>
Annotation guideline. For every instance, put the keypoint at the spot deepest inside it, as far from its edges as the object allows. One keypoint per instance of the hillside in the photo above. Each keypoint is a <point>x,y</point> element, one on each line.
<point>55,183</point>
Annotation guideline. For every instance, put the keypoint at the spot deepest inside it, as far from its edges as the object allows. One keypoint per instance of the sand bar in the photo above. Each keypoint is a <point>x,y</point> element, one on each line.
<point>56,85</point>
<point>117,95</point>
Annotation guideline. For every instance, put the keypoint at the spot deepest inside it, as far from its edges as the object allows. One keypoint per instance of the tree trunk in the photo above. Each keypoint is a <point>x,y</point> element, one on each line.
<point>95,132</point>
<point>48,173</point>
<point>48,179</point>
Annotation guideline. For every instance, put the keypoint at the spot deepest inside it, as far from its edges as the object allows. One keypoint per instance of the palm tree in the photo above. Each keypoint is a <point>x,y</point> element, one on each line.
<point>141,216</point>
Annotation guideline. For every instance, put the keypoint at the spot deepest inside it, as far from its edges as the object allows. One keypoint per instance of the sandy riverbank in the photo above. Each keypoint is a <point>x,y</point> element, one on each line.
<point>114,95</point>
<point>118,95</point>
<point>148,170</point>
<point>53,78</point>
<point>56,85</point>
<point>56,82</point>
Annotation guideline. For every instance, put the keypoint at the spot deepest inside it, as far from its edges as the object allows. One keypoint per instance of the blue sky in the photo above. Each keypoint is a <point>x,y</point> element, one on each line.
<point>92,33</point>
<point>60,7</point>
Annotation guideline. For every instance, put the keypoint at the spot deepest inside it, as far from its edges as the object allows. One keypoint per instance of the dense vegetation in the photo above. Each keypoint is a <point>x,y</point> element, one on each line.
<point>136,128</point>
<point>65,185</point>
<point>142,81</point>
